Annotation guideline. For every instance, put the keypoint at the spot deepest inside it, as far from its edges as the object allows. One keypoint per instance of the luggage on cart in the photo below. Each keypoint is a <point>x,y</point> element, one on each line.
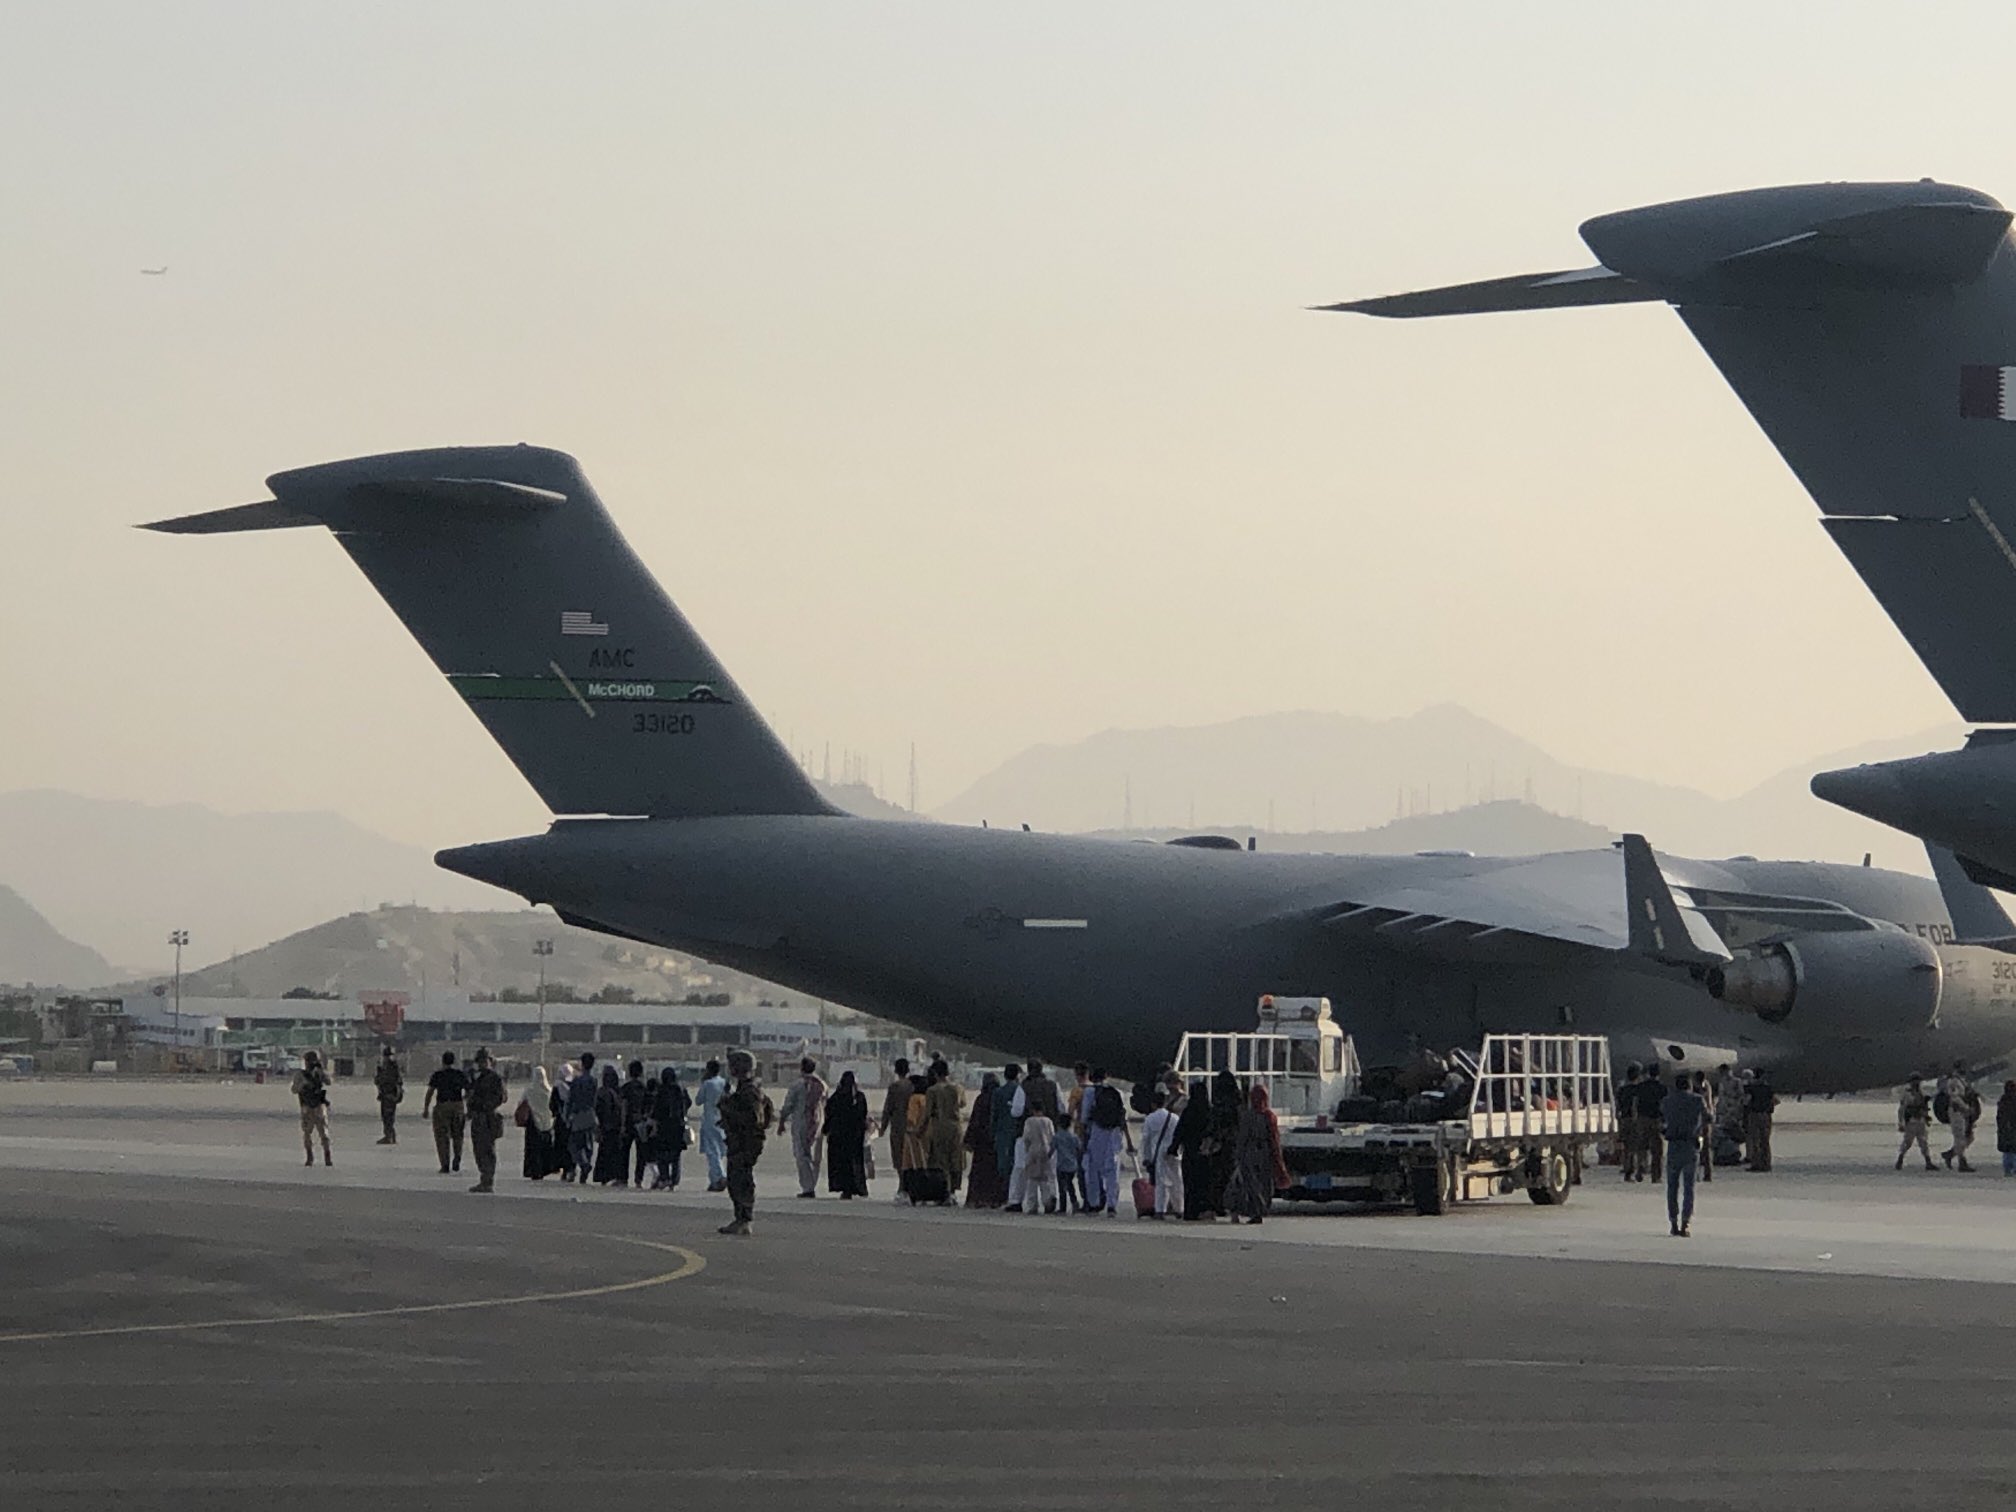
<point>926,1186</point>
<point>1358,1110</point>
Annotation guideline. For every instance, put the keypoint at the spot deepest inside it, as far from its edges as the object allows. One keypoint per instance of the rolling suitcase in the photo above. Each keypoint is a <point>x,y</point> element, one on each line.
<point>1144,1195</point>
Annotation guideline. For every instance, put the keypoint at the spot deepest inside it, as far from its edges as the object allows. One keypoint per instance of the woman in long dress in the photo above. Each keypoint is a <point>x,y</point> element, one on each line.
<point>986,1186</point>
<point>945,1132</point>
<point>916,1124</point>
<point>537,1100</point>
<point>847,1138</point>
<point>1227,1098</point>
<point>557,1156</point>
<point>670,1103</point>
<point>1257,1169</point>
<point>609,1129</point>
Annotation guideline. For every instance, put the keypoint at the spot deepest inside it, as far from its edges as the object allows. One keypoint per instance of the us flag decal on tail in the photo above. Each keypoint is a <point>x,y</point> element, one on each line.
<point>581,622</point>
<point>1985,392</point>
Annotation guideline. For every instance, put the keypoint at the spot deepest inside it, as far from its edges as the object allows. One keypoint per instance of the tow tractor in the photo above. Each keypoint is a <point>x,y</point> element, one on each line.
<point>1517,1115</point>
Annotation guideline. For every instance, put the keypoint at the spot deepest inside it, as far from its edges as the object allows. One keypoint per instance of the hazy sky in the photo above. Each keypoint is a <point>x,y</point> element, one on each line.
<point>948,363</point>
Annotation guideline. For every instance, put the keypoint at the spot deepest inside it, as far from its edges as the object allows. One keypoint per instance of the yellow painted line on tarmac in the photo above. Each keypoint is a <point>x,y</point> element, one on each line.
<point>691,1263</point>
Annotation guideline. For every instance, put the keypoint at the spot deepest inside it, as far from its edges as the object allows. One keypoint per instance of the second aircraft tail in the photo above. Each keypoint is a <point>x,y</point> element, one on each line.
<point>1871,331</point>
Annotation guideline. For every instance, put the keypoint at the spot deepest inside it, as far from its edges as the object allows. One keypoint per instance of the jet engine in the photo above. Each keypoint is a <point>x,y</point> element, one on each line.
<point>1879,981</point>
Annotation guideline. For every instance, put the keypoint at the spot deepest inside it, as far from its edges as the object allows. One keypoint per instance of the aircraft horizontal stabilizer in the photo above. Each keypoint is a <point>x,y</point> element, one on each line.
<point>1527,291</point>
<point>366,504</point>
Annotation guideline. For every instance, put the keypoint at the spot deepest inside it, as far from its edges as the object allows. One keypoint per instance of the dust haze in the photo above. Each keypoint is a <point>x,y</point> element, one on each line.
<point>956,383</point>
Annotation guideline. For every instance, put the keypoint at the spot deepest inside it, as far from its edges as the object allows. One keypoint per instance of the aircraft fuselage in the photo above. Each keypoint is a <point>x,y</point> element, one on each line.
<point>1076,948</point>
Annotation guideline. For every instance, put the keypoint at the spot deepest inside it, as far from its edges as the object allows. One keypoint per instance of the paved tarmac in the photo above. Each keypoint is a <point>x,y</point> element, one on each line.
<point>189,1318</point>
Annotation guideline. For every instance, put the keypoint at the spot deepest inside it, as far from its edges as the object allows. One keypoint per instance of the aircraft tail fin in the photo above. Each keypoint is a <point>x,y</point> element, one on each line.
<point>1656,923</point>
<point>506,568</point>
<point>1870,329</point>
<point>1977,914</point>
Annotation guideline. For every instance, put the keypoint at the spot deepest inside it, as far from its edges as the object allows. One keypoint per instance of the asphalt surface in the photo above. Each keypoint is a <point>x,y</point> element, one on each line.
<point>189,1336</point>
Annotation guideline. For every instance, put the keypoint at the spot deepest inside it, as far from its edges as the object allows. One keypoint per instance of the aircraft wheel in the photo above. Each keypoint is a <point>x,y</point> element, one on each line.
<point>1553,1179</point>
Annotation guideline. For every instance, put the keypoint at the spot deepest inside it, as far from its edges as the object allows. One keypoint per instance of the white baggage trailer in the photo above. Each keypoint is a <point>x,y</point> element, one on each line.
<point>1516,1116</point>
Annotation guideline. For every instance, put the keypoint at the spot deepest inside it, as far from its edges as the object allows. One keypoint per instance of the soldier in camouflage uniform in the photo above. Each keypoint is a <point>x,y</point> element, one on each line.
<point>391,1092</point>
<point>486,1119</point>
<point>746,1115</point>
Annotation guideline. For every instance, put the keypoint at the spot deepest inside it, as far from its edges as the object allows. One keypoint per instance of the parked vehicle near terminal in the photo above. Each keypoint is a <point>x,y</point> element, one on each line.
<point>1516,1115</point>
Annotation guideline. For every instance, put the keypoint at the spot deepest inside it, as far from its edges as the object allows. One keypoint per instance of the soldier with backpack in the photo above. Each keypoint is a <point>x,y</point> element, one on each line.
<point>746,1115</point>
<point>1957,1106</point>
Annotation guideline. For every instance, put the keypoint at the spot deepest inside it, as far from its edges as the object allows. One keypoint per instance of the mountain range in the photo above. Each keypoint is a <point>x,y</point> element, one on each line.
<point>1332,775</point>
<point>121,875</point>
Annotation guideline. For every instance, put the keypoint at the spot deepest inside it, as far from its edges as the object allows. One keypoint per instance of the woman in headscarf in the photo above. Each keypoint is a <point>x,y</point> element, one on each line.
<point>1257,1169</point>
<point>609,1160</point>
<point>985,1186</point>
<point>535,1115</point>
<point>669,1105</point>
<point>944,1130</point>
<point>1227,1098</point>
<point>847,1138</point>
<point>1193,1138</point>
<point>558,1158</point>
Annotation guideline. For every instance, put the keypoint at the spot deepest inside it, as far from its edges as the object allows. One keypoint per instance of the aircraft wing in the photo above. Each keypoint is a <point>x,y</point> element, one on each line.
<point>1547,910</point>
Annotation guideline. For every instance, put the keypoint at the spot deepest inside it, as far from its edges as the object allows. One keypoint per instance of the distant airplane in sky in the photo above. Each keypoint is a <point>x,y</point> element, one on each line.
<point>155,272</point>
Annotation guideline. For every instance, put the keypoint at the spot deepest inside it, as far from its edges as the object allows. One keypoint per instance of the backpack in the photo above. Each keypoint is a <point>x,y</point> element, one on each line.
<point>1108,1111</point>
<point>581,1103</point>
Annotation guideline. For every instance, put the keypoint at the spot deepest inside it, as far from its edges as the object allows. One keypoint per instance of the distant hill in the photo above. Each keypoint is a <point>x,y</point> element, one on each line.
<point>31,950</point>
<point>422,951</point>
<point>124,874</point>
<point>1312,774</point>
<point>1507,827</point>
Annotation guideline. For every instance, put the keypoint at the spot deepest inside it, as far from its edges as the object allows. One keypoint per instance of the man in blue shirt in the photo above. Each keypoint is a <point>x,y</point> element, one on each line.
<point>1682,1114</point>
<point>712,1144</point>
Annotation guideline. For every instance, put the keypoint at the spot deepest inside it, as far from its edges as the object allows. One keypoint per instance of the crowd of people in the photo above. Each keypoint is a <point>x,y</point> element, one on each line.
<point>1208,1149</point>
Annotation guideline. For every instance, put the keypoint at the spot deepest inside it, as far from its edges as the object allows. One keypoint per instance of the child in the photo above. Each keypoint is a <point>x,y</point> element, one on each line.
<point>1037,1152</point>
<point>1069,1149</point>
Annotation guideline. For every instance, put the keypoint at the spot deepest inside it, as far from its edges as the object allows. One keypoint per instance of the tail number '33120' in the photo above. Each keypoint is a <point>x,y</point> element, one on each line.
<point>661,724</point>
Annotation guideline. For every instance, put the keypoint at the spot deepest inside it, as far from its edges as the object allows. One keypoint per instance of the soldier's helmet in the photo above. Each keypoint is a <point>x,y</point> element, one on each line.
<point>741,1063</point>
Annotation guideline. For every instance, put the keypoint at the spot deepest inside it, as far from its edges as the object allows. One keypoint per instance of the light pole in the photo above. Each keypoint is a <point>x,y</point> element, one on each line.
<point>178,938</point>
<point>542,949</point>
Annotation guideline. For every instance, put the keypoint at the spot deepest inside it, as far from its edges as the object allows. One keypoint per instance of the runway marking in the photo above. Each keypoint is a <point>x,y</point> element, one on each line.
<point>691,1264</point>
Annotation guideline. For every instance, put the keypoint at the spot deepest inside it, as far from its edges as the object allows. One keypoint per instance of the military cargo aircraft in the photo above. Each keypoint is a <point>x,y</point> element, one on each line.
<point>1871,331</point>
<point>682,821</point>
